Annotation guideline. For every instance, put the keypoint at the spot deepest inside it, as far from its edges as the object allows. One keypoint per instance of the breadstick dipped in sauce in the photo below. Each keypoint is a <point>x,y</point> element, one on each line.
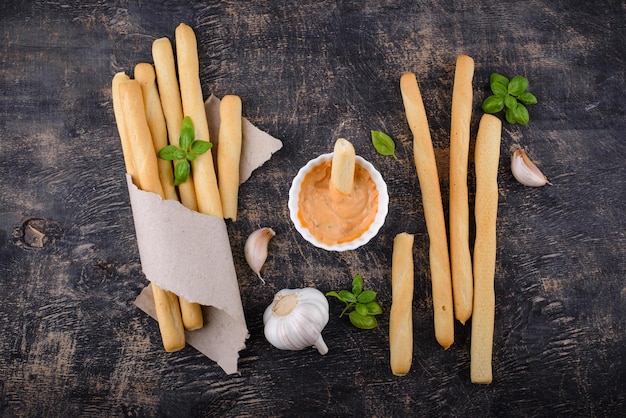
<point>428,176</point>
<point>338,199</point>
<point>342,168</point>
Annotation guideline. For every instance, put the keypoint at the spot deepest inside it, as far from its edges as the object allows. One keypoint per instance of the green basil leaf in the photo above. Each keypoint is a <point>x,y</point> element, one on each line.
<point>181,171</point>
<point>347,296</point>
<point>517,85</point>
<point>366,296</point>
<point>185,140</point>
<point>187,133</point>
<point>190,156</point>
<point>520,113</point>
<point>357,281</point>
<point>179,154</point>
<point>499,89</point>
<point>527,98</point>
<point>510,102</point>
<point>498,78</point>
<point>200,147</point>
<point>187,124</point>
<point>510,116</point>
<point>383,143</point>
<point>357,285</point>
<point>373,308</point>
<point>168,152</point>
<point>361,308</point>
<point>333,293</point>
<point>362,321</point>
<point>493,104</point>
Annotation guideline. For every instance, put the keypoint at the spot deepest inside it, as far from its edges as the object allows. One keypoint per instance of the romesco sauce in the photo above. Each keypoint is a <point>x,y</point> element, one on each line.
<point>333,217</point>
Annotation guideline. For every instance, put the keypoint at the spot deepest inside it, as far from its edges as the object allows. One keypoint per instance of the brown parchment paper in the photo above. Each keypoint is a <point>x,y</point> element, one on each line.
<point>189,253</point>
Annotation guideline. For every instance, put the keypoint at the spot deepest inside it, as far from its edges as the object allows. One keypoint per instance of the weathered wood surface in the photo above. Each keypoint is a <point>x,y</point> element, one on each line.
<point>72,342</point>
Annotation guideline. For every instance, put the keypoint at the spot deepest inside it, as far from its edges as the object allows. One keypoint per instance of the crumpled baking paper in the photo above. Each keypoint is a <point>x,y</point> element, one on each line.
<point>189,253</point>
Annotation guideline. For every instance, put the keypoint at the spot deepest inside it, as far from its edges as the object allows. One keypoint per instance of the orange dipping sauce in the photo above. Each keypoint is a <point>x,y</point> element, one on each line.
<point>331,216</point>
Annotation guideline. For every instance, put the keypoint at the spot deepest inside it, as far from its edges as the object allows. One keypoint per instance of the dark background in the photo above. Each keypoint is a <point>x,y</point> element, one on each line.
<point>73,344</point>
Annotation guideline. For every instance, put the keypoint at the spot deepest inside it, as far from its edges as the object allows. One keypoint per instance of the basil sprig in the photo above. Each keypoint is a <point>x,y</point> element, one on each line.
<point>511,95</point>
<point>188,148</point>
<point>361,305</point>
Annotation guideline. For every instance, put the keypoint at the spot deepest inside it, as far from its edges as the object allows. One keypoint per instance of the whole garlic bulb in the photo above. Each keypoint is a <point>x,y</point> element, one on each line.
<point>296,318</point>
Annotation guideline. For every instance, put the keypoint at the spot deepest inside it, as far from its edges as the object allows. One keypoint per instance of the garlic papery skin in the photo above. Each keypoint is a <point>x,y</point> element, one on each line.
<point>525,171</point>
<point>255,249</point>
<point>296,318</point>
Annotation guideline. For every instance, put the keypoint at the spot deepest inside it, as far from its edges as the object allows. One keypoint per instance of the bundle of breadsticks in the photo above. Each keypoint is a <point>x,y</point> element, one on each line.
<point>180,227</point>
<point>460,287</point>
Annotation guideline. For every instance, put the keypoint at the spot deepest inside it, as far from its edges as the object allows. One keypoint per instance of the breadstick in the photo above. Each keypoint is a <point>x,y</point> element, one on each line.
<point>147,179</point>
<point>144,73</point>
<point>342,167</point>
<point>229,154</point>
<point>401,315</point>
<point>121,124</point>
<point>486,156</point>
<point>139,138</point>
<point>426,166</point>
<point>169,92</point>
<point>207,191</point>
<point>168,315</point>
<point>204,178</point>
<point>460,258</point>
<point>190,94</point>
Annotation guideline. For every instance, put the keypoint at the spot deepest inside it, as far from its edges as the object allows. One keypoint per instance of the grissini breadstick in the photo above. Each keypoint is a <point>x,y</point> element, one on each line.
<point>168,314</point>
<point>147,179</point>
<point>460,258</point>
<point>121,124</point>
<point>169,92</point>
<point>486,157</point>
<point>144,73</point>
<point>191,314</point>
<point>342,166</point>
<point>428,176</point>
<point>203,171</point>
<point>401,315</point>
<point>139,137</point>
<point>229,154</point>
<point>205,179</point>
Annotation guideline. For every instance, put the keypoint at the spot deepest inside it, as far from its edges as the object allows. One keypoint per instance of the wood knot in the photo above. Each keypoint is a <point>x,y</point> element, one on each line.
<point>38,232</point>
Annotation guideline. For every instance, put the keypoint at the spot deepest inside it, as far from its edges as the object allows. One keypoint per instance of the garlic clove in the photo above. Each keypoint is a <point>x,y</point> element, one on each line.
<point>295,320</point>
<point>255,249</point>
<point>525,171</point>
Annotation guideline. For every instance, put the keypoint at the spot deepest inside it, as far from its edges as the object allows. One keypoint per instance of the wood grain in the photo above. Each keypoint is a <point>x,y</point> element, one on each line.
<point>73,344</point>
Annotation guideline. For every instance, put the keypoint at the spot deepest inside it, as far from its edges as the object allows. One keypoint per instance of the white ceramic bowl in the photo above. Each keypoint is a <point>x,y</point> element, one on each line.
<point>379,220</point>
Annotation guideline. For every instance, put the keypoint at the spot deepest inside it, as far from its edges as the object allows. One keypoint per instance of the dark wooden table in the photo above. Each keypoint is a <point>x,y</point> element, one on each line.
<point>73,344</point>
